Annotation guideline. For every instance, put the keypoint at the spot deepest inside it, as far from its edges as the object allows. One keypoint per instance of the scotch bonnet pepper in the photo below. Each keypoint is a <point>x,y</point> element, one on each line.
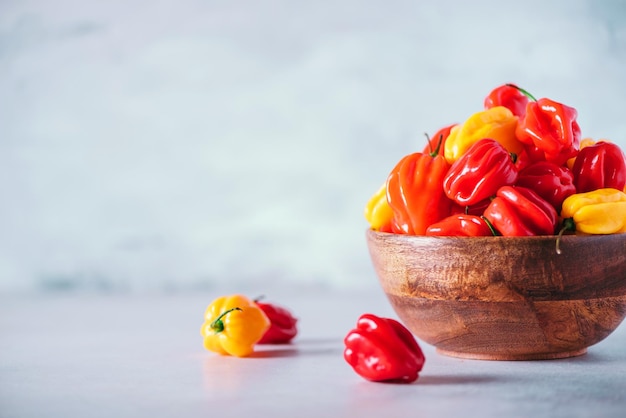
<point>599,166</point>
<point>415,192</point>
<point>601,211</point>
<point>551,127</point>
<point>479,173</point>
<point>377,212</point>
<point>518,211</point>
<point>382,349</point>
<point>529,155</point>
<point>233,325</point>
<point>283,325</point>
<point>585,142</point>
<point>461,225</point>
<point>550,181</point>
<point>497,123</point>
<point>509,96</point>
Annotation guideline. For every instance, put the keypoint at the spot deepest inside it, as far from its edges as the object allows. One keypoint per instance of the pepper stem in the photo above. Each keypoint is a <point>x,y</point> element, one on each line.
<point>436,151</point>
<point>218,324</point>
<point>568,225</point>
<point>430,146</point>
<point>493,230</point>
<point>524,92</point>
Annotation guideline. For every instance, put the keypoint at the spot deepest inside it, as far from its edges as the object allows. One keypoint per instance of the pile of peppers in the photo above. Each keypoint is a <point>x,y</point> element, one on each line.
<point>518,167</point>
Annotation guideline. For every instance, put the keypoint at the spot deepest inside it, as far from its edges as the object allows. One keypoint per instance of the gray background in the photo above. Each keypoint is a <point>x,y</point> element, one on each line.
<point>180,145</point>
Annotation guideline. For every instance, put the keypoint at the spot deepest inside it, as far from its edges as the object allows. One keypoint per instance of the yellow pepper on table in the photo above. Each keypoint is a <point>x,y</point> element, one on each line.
<point>233,325</point>
<point>601,211</point>
<point>378,213</point>
<point>497,123</point>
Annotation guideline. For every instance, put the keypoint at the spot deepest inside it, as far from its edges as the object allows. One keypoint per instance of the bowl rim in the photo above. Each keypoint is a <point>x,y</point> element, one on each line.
<point>563,237</point>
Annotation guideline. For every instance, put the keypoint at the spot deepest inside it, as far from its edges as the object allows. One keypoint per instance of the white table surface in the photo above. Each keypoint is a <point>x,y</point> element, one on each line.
<point>68,355</point>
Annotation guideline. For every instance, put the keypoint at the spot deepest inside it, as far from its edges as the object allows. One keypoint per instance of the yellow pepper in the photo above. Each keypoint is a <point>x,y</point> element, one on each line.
<point>601,211</point>
<point>497,123</point>
<point>233,325</point>
<point>378,213</point>
<point>583,143</point>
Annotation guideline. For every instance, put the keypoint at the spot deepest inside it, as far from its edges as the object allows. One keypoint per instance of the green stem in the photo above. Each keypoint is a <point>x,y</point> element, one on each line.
<point>430,146</point>
<point>436,151</point>
<point>218,324</point>
<point>493,230</point>
<point>524,92</point>
<point>568,225</point>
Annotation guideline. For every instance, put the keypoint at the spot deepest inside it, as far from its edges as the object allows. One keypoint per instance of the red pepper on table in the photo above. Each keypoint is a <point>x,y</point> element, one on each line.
<point>382,349</point>
<point>283,325</point>
<point>440,136</point>
<point>479,173</point>
<point>599,166</point>
<point>509,96</point>
<point>519,211</point>
<point>551,127</point>
<point>415,192</point>
<point>462,225</point>
<point>550,181</point>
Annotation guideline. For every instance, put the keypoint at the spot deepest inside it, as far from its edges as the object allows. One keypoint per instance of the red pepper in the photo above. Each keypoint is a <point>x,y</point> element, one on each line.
<point>476,209</point>
<point>415,192</point>
<point>530,154</point>
<point>518,211</point>
<point>550,181</point>
<point>599,166</point>
<point>283,325</point>
<point>551,127</point>
<point>461,225</point>
<point>388,227</point>
<point>441,135</point>
<point>479,173</point>
<point>382,349</point>
<point>509,96</point>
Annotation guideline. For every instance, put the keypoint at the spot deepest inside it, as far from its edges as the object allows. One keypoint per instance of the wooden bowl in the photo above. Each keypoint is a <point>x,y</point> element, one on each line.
<point>504,298</point>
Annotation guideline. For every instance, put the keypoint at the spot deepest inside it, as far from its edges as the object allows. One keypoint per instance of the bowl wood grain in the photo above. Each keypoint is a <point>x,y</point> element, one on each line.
<point>504,298</point>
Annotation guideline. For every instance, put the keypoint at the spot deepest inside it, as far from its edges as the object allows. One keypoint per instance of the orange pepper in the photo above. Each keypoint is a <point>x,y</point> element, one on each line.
<point>415,192</point>
<point>233,325</point>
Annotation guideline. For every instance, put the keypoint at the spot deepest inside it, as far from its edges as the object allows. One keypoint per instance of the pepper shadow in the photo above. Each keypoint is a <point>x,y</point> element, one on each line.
<point>430,379</point>
<point>319,341</point>
<point>275,352</point>
<point>593,358</point>
<point>293,351</point>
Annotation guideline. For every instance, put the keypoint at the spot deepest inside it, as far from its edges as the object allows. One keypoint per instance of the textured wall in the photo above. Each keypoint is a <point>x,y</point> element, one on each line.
<point>149,145</point>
